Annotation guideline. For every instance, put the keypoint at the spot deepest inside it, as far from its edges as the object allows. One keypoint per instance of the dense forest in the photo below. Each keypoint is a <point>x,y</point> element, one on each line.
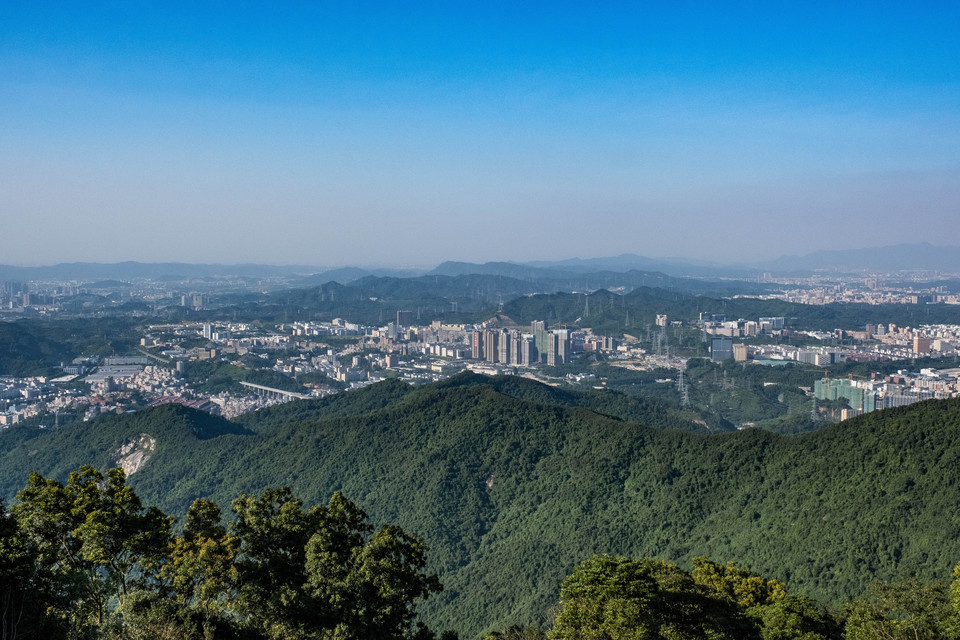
<point>611,313</point>
<point>38,347</point>
<point>512,484</point>
<point>85,559</point>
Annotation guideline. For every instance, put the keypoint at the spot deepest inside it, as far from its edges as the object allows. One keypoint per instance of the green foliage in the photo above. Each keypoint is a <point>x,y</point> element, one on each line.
<point>649,412</point>
<point>794,617</point>
<point>368,580</point>
<point>326,569</point>
<point>608,598</point>
<point>955,601</point>
<point>340,405</point>
<point>612,598</point>
<point>739,585</point>
<point>94,536</point>
<point>27,592</point>
<point>86,559</point>
<point>901,610</point>
<point>216,376</point>
<point>322,379</point>
<point>511,487</point>
<point>202,569</point>
<point>26,352</point>
<point>37,347</point>
<point>517,632</point>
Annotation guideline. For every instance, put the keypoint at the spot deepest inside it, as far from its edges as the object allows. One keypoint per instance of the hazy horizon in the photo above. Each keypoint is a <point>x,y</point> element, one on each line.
<point>679,261</point>
<point>385,134</point>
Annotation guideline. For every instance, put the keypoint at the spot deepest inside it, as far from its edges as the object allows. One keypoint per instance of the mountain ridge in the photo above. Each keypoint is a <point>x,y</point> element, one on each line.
<point>898,257</point>
<point>510,492</point>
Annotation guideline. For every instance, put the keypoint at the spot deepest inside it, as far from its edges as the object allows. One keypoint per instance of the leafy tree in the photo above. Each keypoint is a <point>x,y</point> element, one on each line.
<point>955,603</point>
<point>94,536</point>
<point>201,567</point>
<point>613,598</point>
<point>742,587</point>
<point>325,571</point>
<point>25,591</point>
<point>779,615</point>
<point>607,598</point>
<point>369,583</point>
<point>517,632</point>
<point>148,615</point>
<point>794,617</point>
<point>908,609</point>
<point>274,530</point>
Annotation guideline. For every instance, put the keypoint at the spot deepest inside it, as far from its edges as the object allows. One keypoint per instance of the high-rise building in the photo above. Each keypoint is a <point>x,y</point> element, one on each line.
<point>558,347</point>
<point>490,340</point>
<point>563,345</point>
<point>607,343</point>
<point>515,347</point>
<point>774,323</point>
<point>539,330</point>
<point>404,318</point>
<point>476,345</point>
<point>721,349</point>
<point>528,352</point>
<point>504,347</point>
<point>859,397</point>
<point>740,352</point>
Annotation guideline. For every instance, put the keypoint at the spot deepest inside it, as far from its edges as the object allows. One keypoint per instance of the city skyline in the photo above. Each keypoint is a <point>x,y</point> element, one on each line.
<point>385,134</point>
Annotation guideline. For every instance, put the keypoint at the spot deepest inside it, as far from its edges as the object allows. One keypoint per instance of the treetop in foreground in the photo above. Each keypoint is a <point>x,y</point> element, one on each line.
<point>85,559</point>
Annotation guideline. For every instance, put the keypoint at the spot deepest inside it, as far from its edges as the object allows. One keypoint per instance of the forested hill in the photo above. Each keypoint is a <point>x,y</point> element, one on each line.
<point>511,490</point>
<point>613,313</point>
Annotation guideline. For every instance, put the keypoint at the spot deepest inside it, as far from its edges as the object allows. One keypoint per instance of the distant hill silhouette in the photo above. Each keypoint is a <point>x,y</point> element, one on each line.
<point>901,257</point>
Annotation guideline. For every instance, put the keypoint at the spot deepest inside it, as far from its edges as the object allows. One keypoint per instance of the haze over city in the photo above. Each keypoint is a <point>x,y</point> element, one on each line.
<point>383,133</point>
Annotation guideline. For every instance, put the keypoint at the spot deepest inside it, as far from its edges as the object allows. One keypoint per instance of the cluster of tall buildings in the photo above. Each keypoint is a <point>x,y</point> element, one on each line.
<point>865,396</point>
<point>196,301</point>
<point>718,325</point>
<point>513,347</point>
<point>12,290</point>
<point>15,294</point>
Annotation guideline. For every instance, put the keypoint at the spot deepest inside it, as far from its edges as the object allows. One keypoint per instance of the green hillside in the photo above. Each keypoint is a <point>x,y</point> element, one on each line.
<point>25,353</point>
<point>612,313</point>
<point>512,486</point>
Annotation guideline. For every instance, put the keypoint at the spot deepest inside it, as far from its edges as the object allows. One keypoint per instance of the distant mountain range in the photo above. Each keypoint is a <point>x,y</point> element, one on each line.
<point>901,257</point>
<point>83,271</point>
<point>631,261</point>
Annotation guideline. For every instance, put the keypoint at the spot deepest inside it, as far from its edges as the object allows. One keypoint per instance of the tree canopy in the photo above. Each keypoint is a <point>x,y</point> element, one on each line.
<point>87,559</point>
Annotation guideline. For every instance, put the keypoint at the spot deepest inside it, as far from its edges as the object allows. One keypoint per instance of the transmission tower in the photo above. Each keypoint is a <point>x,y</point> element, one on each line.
<point>684,391</point>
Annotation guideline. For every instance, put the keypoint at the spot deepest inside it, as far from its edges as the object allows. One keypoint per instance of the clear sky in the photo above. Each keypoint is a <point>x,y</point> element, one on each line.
<point>410,133</point>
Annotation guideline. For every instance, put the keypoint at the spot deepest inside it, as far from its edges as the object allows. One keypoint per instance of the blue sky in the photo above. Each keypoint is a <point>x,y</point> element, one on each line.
<point>384,133</point>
